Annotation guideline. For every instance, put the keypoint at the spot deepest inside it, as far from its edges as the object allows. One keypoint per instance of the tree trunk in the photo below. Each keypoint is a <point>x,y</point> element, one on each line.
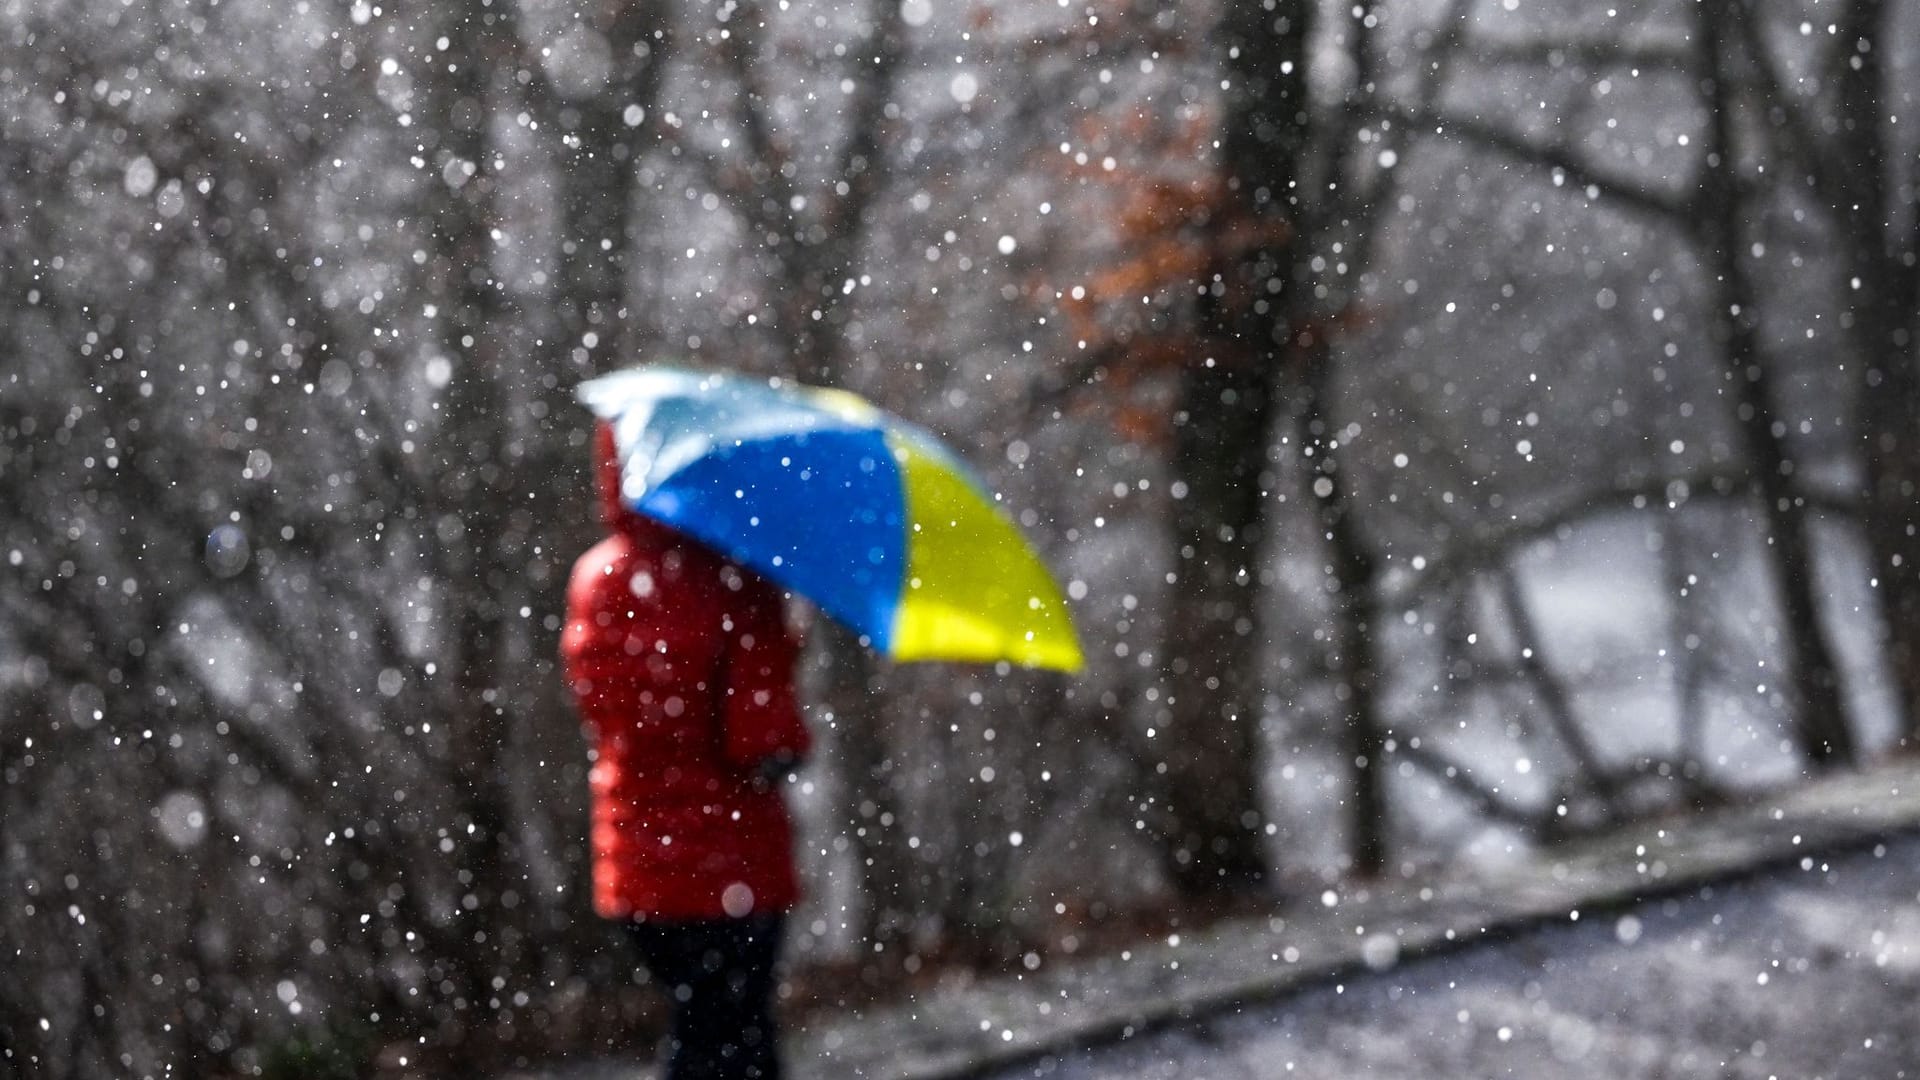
<point>472,486</point>
<point>597,188</point>
<point>1812,676</point>
<point>1223,431</point>
<point>1888,404</point>
<point>1353,662</point>
<point>1884,293</point>
<point>1212,757</point>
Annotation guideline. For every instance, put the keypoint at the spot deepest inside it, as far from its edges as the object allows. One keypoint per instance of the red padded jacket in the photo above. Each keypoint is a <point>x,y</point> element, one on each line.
<point>682,666</point>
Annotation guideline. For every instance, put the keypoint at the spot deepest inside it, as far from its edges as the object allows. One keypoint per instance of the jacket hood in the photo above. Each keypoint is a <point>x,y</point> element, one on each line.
<point>615,514</point>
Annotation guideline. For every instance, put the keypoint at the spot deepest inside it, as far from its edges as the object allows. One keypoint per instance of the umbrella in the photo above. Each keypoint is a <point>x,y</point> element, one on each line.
<point>868,516</point>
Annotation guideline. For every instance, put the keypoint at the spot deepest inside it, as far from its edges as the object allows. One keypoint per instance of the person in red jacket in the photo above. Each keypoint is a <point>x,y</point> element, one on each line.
<point>681,664</point>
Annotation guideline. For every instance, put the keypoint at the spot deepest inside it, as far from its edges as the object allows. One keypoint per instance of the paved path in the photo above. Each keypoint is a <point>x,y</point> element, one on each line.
<point>1801,973</point>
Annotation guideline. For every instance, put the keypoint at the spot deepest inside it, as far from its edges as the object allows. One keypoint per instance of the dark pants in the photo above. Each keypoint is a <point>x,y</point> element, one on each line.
<point>719,975</point>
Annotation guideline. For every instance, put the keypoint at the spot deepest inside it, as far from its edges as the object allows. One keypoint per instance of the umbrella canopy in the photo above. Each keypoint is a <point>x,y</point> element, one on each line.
<point>866,515</point>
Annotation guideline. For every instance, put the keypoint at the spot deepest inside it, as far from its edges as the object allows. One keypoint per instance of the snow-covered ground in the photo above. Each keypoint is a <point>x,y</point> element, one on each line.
<point>1790,948</point>
<point>1808,973</point>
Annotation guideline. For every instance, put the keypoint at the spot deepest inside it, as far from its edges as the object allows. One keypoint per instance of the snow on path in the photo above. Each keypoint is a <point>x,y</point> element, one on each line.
<point>1805,974</point>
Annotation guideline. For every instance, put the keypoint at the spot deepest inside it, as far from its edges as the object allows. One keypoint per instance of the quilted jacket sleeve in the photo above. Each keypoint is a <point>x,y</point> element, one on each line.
<point>587,645</point>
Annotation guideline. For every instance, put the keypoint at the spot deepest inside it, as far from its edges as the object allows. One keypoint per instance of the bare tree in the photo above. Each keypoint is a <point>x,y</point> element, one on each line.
<point>1843,142</point>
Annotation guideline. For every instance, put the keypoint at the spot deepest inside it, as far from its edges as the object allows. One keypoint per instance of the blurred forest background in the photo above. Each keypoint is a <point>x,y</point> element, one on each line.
<point>1459,425</point>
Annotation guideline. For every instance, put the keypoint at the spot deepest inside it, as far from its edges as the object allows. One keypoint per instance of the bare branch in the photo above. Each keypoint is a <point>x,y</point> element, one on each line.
<point>860,158</point>
<point>1551,693</point>
<point>1564,166</point>
<point>741,55</point>
<point>1487,546</point>
<point>1433,81</point>
<point>1802,145</point>
<point>1646,54</point>
<point>1682,620</point>
<point>1457,777</point>
<point>1053,389</point>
